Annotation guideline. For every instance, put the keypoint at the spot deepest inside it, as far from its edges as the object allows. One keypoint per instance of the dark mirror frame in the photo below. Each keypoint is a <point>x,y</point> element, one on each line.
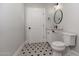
<point>60,18</point>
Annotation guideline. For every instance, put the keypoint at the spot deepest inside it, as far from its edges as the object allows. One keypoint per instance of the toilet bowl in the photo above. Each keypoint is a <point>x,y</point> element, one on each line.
<point>58,47</point>
<point>69,39</point>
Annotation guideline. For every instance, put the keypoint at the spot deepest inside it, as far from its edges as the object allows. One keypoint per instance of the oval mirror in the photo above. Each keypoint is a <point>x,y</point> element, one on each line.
<point>58,15</point>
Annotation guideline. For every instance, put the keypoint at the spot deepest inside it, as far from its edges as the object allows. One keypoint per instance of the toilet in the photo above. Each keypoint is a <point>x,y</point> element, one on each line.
<point>68,40</point>
<point>58,47</point>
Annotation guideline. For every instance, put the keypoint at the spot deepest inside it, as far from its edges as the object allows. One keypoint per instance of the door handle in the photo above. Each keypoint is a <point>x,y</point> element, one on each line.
<point>29,27</point>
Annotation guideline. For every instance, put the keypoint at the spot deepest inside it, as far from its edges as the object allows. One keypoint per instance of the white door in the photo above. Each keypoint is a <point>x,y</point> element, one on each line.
<point>35,24</point>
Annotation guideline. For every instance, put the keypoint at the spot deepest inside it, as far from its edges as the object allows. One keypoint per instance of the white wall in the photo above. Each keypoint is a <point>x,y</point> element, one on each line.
<point>11,27</point>
<point>71,20</point>
<point>49,23</point>
<point>51,36</point>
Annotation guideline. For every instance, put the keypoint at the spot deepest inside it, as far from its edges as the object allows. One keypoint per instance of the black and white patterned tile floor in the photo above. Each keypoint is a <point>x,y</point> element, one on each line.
<point>36,49</point>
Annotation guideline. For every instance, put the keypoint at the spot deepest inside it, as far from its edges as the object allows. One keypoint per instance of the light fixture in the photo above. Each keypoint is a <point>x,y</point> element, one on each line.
<point>56,3</point>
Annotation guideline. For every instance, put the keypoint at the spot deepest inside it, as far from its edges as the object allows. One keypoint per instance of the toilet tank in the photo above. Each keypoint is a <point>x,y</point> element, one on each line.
<point>69,39</point>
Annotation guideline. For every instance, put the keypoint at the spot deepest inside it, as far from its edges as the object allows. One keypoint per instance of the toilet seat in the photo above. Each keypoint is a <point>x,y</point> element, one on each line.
<point>58,45</point>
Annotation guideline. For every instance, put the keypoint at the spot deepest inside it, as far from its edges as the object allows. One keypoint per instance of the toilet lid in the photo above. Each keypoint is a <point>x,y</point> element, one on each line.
<point>58,43</point>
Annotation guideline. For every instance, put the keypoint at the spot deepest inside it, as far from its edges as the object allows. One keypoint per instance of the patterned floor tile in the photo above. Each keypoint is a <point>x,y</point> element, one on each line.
<point>36,49</point>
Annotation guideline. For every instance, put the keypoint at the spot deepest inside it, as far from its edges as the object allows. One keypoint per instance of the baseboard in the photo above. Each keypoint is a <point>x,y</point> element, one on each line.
<point>16,52</point>
<point>36,41</point>
<point>5,54</point>
<point>72,53</point>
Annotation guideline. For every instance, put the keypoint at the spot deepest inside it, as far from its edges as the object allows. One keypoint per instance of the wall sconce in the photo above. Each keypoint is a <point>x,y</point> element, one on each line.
<point>58,6</point>
<point>56,3</point>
